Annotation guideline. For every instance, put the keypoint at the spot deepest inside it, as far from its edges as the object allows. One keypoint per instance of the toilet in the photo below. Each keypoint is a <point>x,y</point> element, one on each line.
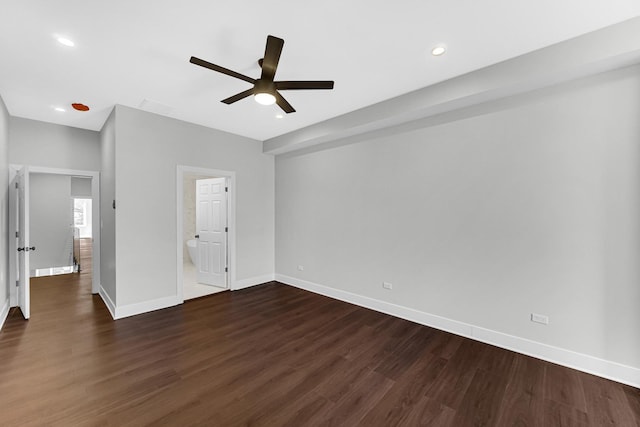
<point>192,246</point>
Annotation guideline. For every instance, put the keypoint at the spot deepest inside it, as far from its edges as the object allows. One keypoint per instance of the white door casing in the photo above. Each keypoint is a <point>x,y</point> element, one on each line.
<point>211,231</point>
<point>24,298</point>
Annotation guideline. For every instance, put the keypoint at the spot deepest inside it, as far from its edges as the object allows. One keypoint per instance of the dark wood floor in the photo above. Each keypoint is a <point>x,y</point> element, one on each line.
<point>274,355</point>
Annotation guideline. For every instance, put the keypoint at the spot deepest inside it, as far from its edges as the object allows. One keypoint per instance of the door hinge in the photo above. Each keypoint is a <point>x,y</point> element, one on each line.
<point>17,185</point>
<point>17,283</point>
<point>226,229</point>
<point>226,189</point>
<point>226,269</point>
<point>17,234</point>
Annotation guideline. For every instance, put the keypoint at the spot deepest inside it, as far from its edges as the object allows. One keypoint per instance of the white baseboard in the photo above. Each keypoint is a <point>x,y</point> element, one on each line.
<point>108,302</point>
<point>145,306</point>
<point>604,368</point>
<point>252,281</point>
<point>4,313</point>
<point>119,312</point>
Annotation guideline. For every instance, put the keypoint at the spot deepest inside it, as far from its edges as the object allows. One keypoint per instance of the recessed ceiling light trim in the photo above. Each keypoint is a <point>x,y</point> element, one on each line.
<point>438,50</point>
<point>65,41</point>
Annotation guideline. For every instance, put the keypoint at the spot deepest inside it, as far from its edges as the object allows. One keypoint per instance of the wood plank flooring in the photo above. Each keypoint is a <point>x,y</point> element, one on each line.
<point>274,355</point>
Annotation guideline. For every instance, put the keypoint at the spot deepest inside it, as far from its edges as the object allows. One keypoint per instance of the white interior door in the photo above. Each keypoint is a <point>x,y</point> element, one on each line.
<point>211,231</point>
<point>22,180</point>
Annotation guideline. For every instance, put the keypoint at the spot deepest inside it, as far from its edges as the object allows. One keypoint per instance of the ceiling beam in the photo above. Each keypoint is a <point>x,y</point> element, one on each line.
<point>610,48</point>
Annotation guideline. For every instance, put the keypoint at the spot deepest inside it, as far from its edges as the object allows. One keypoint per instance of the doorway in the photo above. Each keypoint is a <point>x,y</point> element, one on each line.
<point>21,216</point>
<point>205,231</point>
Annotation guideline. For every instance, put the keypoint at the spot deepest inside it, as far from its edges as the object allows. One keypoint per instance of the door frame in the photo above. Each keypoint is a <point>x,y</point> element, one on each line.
<point>181,171</point>
<point>95,218</point>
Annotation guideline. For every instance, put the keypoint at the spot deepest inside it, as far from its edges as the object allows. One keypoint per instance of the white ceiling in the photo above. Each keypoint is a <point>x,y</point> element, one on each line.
<point>127,52</point>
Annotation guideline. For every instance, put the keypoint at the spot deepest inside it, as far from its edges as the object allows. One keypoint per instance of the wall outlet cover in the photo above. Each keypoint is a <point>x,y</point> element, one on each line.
<point>540,318</point>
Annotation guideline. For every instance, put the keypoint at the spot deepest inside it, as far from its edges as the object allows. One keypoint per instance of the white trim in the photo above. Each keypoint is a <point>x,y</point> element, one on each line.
<point>582,362</point>
<point>12,226</point>
<point>252,281</point>
<point>181,170</point>
<point>108,302</point>
<point>4,313</point>
<point>145,307</point>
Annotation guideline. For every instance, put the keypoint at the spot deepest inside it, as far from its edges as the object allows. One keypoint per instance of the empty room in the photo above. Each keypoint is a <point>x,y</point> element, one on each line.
<point>338,213</point>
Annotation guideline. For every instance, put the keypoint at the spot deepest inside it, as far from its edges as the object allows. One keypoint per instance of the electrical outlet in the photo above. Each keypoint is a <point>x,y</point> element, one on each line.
<point>387,285</point>
<point>301,268</point>
<point>540,318</point>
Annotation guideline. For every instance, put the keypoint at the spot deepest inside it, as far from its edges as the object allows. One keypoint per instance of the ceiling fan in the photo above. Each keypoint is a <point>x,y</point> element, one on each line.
<point>265,90</point>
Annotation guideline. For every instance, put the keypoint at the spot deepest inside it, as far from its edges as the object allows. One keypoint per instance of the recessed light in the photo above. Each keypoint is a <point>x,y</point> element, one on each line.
<point>59,109</point>
<point>279,116</point>
<point>438,50</point>
<point>65,41</point>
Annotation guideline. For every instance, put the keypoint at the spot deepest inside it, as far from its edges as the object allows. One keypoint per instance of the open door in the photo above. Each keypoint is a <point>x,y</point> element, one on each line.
<point>22,181</point>
<point>211,229</point>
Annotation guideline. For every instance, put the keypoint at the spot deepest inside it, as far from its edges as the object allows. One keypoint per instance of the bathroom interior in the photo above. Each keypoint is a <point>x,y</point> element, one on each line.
<point>191,287</point>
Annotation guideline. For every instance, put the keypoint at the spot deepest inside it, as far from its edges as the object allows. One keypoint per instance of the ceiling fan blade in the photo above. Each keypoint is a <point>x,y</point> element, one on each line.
<point>292,85</point>
<point>282,103</point>
<point>220,69</point>
<point>271,57</point>
<point>237,97</point>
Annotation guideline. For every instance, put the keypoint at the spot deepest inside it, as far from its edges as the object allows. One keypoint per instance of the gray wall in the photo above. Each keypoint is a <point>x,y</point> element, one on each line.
<point>4,209</point>
<point>530,206</point>
<point>189,211</point>
<point>50,220</point>
<point>107,213</point>
<point>37,143</point>
<point>148,149</point>
<point>81,187</point>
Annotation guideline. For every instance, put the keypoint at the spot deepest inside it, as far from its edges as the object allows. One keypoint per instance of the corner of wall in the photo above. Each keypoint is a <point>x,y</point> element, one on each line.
<point>108,302</point>
<point>253,281</point>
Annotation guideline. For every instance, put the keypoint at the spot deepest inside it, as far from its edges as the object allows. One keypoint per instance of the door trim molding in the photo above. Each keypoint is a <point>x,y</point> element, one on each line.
<point>4,313</point>
<point>181,171</point>
<point>95,217</point>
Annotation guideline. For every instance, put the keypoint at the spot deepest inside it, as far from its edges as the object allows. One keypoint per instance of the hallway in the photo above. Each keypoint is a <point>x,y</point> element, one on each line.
<point>71,291</point>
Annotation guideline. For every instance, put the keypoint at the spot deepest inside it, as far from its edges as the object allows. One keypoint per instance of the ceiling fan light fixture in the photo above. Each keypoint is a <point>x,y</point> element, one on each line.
<point>264,98</point>
<point>265,90</point>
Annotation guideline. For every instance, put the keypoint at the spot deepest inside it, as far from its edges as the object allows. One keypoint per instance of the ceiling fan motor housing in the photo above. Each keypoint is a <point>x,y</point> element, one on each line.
<point>264,86</point>
<point>265,90</point>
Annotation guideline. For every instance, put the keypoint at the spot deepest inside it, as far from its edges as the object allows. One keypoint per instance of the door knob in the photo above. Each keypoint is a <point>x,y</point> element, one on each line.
<point>27,249</point>
<point>197,236</point>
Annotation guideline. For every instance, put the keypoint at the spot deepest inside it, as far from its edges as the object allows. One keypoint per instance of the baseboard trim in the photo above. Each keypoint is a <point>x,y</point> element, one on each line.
<point>120,312</point>
<point>4,313</point>
<point>252,281</point>
<point>145,307</point>
<point>603,368</point>
<point>108,302</point>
